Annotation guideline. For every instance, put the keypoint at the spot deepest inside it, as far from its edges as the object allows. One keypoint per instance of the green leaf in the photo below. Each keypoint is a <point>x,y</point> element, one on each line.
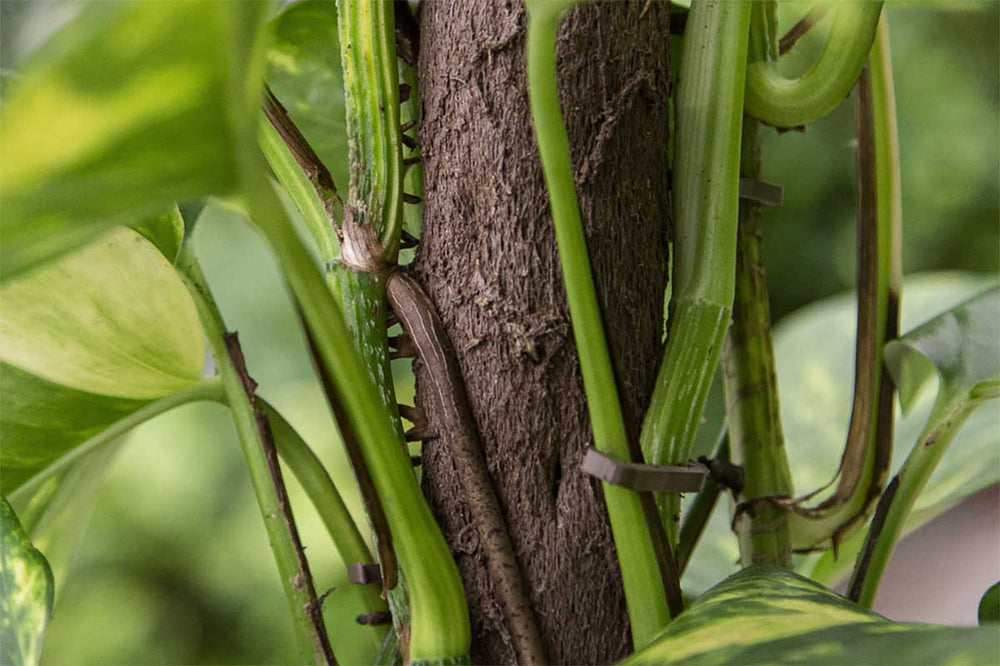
<point>765,615</point>
<point>26,593</point>
<point>814,350</point>
<point>960,346</point>
<point>133,105</point>
<point>304,71</point>
<point>165,231</point>
<point>989,606</point>
<point>86,342</point>
<point>56,515</point>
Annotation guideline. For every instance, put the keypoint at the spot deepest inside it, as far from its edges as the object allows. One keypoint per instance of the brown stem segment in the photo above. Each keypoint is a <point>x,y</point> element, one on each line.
<point>304,155</point>
<point>450,410</point>
<point>805,24</point>
<point>303,580</point>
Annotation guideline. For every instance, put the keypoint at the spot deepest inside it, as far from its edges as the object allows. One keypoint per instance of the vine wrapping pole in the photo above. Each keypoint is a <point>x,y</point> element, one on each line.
<point>652,591</point>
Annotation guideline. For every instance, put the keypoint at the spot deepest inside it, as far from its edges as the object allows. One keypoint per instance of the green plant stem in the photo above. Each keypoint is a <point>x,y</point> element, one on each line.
<point>322,492</point>
<point>755,436</point>
<point>868,450</point>
<point>371,93</point>
<point>209,388</point>
<point>303,190</point>
<point>900,496</point>
<point>783,102</point>
<point>440,624</point>
<point>265,475</point>
<point>645,592</point>
<point>709,113</point>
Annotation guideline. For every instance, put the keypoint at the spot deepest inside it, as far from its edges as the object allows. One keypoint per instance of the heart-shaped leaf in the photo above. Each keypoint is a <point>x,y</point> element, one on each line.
<point>26,593</point>
<point>87,341</point>
<point>133,105</point>
<point>768,615</point>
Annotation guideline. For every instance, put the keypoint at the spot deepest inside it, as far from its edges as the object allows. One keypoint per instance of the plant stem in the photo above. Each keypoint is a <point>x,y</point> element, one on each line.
<point>901,494</point>
<point>805,24</point>
<point>209,388</point>
<point>371,93</point>
<point>755,436</point>
<point>265,474</point>
<point>706,191</point>
<point>867,452</point>
<point>318,485</point>
<point>784,102</point>
<point>646,590</point>
<point>301,173</point>
<point>440,624</point>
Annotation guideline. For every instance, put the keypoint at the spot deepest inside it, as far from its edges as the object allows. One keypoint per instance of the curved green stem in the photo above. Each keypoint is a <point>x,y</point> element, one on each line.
<point>706,190</point>
<point>209,388</point>
<point>867,452</point>
<point>255,438</point>
<point>783,102</point>
<point>440,623</point>
<point>645,593</point>
<point>371,91</point>
<point>900,496</point>
<point>300,188</point>
<point>318,485</point>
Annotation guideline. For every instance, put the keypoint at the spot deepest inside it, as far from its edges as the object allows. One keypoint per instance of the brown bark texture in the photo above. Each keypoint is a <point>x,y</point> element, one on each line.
<point>488,260</point>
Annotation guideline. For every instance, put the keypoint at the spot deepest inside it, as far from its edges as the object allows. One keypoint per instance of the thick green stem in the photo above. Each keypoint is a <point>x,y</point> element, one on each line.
<point>371,92</point>
<point>265,474</point>
<point>318,205</point>
<point>755,436</point>
<point>439,619</point>
<point>645,591</point>
<point>783,102</point>
<point>706,189</point>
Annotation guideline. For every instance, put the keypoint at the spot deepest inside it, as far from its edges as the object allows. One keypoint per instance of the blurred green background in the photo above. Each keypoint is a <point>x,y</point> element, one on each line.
<point>175,568</point>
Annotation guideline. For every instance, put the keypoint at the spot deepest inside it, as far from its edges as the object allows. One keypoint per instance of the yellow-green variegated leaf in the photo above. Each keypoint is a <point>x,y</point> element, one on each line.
<point>764,615</point>
<point>131,106</point>
<point>26,592</point>
<point>85,341</point>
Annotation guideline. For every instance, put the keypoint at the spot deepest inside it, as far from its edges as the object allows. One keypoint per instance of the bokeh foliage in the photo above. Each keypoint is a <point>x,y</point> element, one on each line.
<point>175,558</point>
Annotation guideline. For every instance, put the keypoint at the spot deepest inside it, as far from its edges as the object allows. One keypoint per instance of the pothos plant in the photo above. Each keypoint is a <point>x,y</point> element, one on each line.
<point>129,120</point>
